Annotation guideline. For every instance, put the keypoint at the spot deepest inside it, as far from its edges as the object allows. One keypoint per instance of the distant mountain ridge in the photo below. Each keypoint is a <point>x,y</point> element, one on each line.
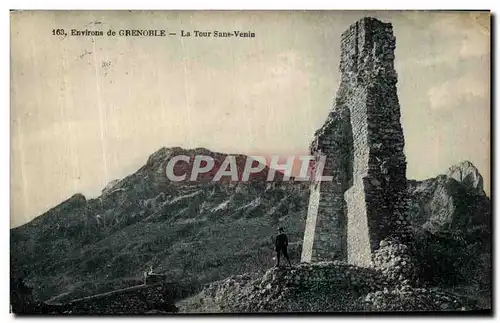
<point>85,246</point>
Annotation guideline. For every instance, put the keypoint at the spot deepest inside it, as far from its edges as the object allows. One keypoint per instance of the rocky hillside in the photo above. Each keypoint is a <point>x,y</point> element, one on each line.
<point>453,202</point>
<point>200,232</point>
<point>452,221</point>
<point>195,232</point>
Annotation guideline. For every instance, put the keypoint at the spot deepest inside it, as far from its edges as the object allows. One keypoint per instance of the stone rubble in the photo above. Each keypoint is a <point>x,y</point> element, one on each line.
<point>325,287</point>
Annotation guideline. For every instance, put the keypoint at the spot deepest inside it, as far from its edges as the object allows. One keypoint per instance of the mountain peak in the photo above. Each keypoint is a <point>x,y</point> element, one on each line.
<point>163,153</point>
<point>466,173</point>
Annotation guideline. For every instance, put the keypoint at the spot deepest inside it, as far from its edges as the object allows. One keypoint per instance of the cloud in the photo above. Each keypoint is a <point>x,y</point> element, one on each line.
<point>453,92</point>
<point>474,47</point>
<point>452,38</point>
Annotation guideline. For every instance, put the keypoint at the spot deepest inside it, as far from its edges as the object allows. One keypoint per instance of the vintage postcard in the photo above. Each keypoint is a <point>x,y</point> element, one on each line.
<point>250,162</point>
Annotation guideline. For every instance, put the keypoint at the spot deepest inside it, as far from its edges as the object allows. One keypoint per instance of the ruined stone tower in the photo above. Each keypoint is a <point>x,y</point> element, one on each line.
<point>363,143</point>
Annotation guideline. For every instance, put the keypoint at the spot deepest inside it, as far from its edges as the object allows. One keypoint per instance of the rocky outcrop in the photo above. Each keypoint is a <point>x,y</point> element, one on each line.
<point>160,159</point>
<point>452,224</point>
<point>467,174</point>
<point>108,188</point>
<point>446,204</point>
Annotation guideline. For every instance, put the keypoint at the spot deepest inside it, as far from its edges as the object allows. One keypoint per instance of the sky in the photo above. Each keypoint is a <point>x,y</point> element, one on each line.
<point>88,110</point>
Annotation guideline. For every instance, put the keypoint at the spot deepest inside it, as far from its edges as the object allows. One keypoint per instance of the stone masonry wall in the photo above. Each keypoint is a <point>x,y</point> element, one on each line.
<point>326,230</point>
<point>363,142</point>
<point>379,190</point>
<point>133,300</point>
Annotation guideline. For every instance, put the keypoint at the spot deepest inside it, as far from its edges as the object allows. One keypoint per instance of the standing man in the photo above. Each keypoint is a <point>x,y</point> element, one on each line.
<point>281,245</point>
